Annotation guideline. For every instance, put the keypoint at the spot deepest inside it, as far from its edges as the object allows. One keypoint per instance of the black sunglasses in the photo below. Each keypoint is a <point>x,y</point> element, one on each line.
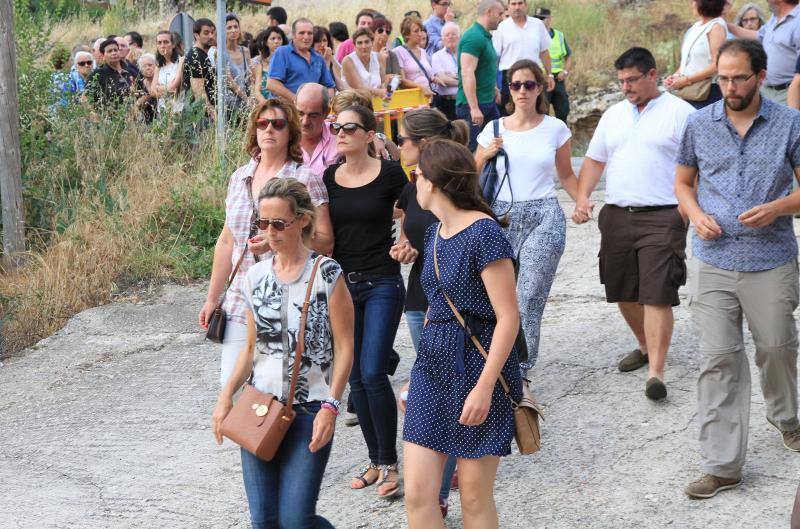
<point>349,128</point>
<point>85,63</point>
<point>529,85</point>
<point>277,124</point>
<point>383,30</point>
<point>278,224</point>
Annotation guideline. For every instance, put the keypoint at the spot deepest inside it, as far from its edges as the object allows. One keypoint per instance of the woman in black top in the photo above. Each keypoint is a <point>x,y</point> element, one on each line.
<point>362,193</point>
<point>417,127</point>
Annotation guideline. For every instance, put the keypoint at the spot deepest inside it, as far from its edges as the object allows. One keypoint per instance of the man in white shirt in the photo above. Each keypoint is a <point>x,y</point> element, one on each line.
<point>521,37</point>
<point>643,232</point>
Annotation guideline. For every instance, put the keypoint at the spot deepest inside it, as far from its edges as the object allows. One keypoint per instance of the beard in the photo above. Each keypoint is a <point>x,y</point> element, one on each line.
<point>740,103</point>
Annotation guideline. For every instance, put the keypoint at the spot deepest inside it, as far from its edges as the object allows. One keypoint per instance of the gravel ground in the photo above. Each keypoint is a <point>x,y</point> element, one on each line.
<point>106,425</point>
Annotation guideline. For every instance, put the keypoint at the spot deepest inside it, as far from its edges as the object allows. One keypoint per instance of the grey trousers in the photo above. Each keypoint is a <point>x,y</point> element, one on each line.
<point>779,96</point>
<point>718,300</point>
<point>538,233</point>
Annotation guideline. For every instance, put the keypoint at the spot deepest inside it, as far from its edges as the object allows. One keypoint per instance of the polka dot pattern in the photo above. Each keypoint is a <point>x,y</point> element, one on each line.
<point>440,380</point>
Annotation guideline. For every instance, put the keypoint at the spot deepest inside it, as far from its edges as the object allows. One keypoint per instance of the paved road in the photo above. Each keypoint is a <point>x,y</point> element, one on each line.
<point>105,425</point>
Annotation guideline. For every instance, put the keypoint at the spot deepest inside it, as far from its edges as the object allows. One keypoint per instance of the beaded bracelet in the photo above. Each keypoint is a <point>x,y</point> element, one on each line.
<point>330,407</point>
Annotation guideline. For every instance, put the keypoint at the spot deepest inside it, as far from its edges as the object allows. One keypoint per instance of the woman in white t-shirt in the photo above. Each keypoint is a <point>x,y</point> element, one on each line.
<point>537,148</point>
<point>699,53</point>
<point>168,75</point>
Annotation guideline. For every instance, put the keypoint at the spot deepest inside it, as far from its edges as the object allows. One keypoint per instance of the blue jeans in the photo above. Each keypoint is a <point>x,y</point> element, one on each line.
<point>378,306</point>
<point>283,493</point>
<point>490,112</point>
<point>416,320</point>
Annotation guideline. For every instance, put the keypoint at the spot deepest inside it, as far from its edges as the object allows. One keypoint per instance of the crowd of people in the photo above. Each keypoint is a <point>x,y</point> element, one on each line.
<point>718,148</point>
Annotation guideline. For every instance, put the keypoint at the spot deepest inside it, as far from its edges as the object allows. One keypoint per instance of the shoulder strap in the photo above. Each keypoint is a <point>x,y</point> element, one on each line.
<point>301,334</point>
<point>458,315</point>
<point>230,277</point>
<point>705,29</point>
<point>496,127</point>
<point>419,63</point>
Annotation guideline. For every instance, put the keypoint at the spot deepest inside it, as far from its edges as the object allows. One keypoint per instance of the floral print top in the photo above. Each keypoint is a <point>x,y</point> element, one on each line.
<point>276,308</point>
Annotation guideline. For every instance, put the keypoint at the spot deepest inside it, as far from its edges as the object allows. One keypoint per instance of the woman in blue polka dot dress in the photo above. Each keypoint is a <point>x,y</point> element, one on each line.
<point>456,405</point>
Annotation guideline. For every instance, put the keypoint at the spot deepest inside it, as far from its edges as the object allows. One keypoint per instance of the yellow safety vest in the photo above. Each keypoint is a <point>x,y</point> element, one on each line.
<point>558,51</point>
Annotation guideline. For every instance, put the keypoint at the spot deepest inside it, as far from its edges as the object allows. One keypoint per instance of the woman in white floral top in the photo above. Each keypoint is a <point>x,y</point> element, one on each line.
<point>283,492</point>
<point>273,142</point>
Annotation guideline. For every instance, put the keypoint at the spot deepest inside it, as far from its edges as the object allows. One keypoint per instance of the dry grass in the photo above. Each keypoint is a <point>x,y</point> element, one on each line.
<point>83,266</point>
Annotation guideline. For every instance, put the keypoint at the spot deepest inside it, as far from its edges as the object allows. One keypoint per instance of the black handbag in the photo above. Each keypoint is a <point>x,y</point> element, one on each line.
<point>216,324</point>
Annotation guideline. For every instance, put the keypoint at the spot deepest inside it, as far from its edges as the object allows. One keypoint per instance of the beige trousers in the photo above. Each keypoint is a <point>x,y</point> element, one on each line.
<point>718,300</point>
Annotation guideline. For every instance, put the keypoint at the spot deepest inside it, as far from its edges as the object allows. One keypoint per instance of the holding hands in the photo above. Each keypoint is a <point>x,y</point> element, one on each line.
<point>403,252</point>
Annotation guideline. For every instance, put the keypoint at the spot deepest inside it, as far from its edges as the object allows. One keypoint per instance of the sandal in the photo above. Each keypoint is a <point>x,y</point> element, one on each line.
<point>393,485</point>
<point>360,481</point>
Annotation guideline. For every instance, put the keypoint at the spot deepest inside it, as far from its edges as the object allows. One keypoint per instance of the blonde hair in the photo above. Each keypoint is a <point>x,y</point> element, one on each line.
<point>296,194</point>
<point>348,98</point>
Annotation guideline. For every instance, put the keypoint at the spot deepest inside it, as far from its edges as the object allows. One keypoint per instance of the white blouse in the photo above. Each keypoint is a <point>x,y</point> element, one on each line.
<point>369,78</point>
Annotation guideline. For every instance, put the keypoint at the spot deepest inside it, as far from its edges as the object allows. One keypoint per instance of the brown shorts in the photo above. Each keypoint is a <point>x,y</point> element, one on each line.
<point>642,255</point>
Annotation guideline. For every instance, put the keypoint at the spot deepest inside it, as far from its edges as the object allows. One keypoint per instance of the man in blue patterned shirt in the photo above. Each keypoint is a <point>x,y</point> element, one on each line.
<point>736,165</point>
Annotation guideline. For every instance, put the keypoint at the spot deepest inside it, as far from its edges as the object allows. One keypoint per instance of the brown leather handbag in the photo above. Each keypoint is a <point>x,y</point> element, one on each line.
<point>527,411</point>
<point>259,421</point>
<point>218,319</point>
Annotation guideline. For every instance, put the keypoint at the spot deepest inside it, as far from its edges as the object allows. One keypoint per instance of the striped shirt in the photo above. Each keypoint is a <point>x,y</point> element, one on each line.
<point>240,213</point>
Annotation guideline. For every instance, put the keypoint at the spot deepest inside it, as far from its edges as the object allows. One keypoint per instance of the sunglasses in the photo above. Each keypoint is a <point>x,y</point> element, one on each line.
<point>278,224</point>
<point>277,124</point>
<point>85,63</point>
<point>349,128</point>
<point>529,85</point>
<point>383,30</point>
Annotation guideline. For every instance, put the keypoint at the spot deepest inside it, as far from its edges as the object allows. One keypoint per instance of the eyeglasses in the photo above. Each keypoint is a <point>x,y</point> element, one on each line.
<point>349,128</point>
<point>750,19</point>
<point>278,224</point>
<point>400,140</point>
<point>735,81</point>
<point>277,124</point>
<point>84,63</point>
<point>444,4</point>
<point>383,30</point>
<point>631,80</point>
<point>529,85</point>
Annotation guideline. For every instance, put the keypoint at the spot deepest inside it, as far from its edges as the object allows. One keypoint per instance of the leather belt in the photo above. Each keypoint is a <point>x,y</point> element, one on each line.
<point>643,209</point>
<point>783,86</point>
<point>358,277</point>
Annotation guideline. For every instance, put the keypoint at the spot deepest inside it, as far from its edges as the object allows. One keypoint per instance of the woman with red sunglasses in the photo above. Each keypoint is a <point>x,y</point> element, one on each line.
<point>273,142</point>
<point>536,148</point>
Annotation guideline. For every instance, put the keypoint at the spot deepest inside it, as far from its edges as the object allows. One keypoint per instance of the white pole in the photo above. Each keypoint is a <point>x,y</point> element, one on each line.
<point>220,103</point>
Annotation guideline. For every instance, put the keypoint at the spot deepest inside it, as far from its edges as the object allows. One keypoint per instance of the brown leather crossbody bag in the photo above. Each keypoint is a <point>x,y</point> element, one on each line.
<point>218,319</point>
<point>526,412</point>
<point>258,421</point>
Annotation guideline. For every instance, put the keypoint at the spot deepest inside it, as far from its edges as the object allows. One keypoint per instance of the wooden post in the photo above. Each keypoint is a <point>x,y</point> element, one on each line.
<point>10,163</point>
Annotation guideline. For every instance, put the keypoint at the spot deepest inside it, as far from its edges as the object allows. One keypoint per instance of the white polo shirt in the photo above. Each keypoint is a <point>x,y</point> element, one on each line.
<point>513,43</point>
<point>640,150</point>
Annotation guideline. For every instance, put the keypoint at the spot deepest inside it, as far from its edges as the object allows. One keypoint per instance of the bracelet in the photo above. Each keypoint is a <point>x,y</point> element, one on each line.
<point>330,407</point>
<point>333,402</point>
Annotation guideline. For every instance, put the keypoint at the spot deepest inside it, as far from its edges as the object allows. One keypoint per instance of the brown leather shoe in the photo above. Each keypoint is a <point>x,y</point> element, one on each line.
<point>708,486</point>
<point>791,439</point>
<point>633,361</point>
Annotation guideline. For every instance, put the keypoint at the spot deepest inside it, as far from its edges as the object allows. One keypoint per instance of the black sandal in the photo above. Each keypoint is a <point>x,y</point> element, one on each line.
<point>360,477</point>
